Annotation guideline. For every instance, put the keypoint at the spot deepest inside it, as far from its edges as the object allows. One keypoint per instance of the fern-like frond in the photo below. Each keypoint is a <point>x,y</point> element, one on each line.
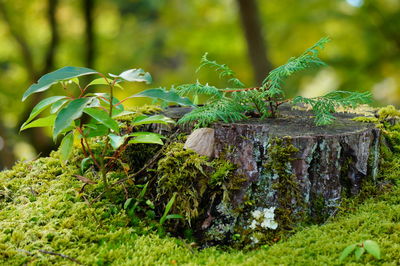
<point>225,110</point>
<point>223,69</point>
<point>197,89</point>
<point>324,106</point>
<point>273,82</point>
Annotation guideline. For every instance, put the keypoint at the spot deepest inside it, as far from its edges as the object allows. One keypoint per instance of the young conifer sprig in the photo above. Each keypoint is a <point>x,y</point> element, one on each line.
<point>275,79</point>
<point>223,69</point>
<point>225,109</point>
<point>233,104</point>
<point>324,106</point>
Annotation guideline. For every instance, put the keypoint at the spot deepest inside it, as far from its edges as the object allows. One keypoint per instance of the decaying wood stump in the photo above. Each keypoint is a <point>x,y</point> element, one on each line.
<point>290,168</point>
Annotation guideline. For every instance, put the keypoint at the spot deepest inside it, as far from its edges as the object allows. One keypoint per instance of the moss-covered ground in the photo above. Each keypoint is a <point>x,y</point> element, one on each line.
<point>42,210</point>
<point>47,218</point>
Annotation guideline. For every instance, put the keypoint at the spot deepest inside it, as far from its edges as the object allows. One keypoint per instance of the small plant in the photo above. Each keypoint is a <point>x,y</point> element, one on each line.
<point>236,103</point>
<point>359,249</point>
<point>66,114</point>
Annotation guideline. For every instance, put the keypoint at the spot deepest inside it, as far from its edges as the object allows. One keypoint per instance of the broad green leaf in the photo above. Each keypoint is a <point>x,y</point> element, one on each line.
<point>102,81</point>
<point>164,95</point>
<point>41,106</point>
<point>149,138</point>
<point>95,130</point>
<point>346,252</point>
<point>372,248</point>
<point>58,105</point>
<point>102,117</point>
<point>105,98</point>
<point>86,163</point>
<point>51,78</point>
<point>41,122</point>
<point>155,119</point>
<point>137,75</point>
<point>116,141</point>
<point>68,114</point>
<point>358,252</point>
<point>142,133</point>
<point>66,146</point>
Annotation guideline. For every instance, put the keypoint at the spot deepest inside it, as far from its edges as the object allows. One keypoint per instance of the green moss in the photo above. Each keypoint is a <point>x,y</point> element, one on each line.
<point>183,172</point>
<point>60,220</point>
<point>192,177</point>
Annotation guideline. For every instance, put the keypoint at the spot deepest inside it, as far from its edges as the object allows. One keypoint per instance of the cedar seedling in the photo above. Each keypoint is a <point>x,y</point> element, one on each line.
<point>234,104</point>
<point>66,113</point>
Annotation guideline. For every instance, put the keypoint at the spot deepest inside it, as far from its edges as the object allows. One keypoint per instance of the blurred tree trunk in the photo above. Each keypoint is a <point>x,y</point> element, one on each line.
<point>256,45</point>
<point>7,157</point>
<point>88,8</point>
<point>36,136</point>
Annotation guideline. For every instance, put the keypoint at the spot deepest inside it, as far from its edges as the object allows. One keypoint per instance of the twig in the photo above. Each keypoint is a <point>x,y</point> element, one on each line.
<point>245,89</point>
<point>61,255</point>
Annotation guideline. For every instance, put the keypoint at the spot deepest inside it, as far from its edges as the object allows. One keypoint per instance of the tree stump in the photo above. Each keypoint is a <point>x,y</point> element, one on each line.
<point>300,170</point>
<point>291,171</point>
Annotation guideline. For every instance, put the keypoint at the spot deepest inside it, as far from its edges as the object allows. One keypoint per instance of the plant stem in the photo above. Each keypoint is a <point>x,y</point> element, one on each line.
<point>103,165</point>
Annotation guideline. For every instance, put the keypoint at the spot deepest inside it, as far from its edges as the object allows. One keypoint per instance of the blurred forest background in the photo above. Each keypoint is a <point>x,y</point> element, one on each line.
<point>168,37</point>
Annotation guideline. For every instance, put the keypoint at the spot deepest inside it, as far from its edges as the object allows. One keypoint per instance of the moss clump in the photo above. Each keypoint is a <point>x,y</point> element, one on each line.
<point>191,177</point>
<point>387,119</point>
<point>183,172</point>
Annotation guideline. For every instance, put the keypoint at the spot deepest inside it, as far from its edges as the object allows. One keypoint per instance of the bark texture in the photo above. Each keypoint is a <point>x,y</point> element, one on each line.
<point>325,164</point>
<point>288,170</point>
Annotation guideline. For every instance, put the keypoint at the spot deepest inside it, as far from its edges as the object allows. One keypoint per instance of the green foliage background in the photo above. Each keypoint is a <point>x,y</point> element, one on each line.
<point>167,39</point>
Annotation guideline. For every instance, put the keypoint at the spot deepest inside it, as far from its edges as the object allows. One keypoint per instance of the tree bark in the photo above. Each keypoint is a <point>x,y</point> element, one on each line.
<point>256,45</point>
<point>88,8</point>
<point>288,163</point>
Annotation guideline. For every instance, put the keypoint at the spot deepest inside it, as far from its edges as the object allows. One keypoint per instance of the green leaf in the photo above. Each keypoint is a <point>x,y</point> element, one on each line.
<point>103,117</point>
<point>143,192</point>
<point>127,203</point>
<point>123,113</point>
<point>372,248</point>
<point>142,133</point>
<point>155,119</point>
<point>41,122</point>
<point>358,252</point>
<point>51,78</point>
<point>137,75</point>
<point>174,216</point>
<point>66,146</point>
<point>68,114</point>
<point>95,130</point>
<point>85,163</point>
<point>102,81</point>
<point>164,95</point>
<point>57,105</point>
<point>346,252</point>
<point>116,141</point>
<point>150,138</point>
<point>167,209</point>
<point>41,106</point>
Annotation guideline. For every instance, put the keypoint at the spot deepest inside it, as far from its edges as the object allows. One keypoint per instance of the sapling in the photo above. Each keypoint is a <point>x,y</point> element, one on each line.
<point>238,102</point>
<point>66,114</point>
